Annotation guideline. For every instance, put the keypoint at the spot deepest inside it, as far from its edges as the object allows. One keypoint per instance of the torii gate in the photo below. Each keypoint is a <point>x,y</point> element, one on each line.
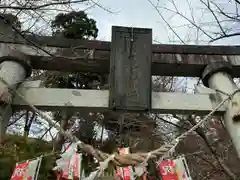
<point>131,60</point>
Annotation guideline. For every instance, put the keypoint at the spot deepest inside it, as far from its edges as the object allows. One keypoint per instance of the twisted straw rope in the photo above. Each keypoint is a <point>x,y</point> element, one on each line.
<point>124,159</point>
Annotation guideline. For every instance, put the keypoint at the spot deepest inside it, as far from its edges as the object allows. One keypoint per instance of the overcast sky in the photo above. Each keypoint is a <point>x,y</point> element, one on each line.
<point>141,13</point>
<point>136,13</point>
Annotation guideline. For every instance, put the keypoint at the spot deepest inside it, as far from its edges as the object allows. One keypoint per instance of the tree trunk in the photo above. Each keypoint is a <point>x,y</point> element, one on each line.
<point>64,124</point>
<point>28,124</point>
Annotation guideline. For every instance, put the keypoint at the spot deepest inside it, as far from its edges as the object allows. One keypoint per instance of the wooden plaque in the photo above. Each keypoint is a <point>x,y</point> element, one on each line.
<point>130,69</point>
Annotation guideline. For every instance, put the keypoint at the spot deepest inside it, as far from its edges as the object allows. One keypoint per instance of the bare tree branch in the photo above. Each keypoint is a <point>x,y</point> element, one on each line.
<point>201,133</point>
<point>169,122</point>
<point>28,123</point>
<point>214,15</point>
<point>48,130</point>
<point>170,27</point>
<point>225,36</point>
<point>237,1</point>
<point>186,18</point>
<point>15,120</point>
<point>42,6</point>
<point>225,14</point>
<point>102,7</point>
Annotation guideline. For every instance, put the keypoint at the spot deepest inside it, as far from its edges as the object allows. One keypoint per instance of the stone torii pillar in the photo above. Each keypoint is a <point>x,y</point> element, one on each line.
<point>217,76</point>
<point>14,69</point>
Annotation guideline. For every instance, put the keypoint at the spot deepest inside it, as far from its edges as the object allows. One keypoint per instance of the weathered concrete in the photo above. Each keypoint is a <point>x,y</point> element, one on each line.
<point>97,100</point>
<point>12,73</point>
<point>223,81</point>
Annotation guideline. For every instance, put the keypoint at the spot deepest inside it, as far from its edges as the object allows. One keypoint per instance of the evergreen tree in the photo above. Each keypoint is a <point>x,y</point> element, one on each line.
<point>75,25</point>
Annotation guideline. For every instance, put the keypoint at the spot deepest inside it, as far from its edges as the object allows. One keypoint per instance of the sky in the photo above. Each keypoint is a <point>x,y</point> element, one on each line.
<point>162,16</point>
<point>141,13</point>
<point>134,13</point>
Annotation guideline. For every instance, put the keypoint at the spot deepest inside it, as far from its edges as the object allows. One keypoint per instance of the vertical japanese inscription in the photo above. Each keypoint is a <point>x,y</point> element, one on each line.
<point>130,69</point>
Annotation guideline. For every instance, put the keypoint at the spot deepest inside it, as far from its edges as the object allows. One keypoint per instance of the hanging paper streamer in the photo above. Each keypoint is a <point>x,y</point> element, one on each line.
<point>27,170</point>
<point>141,171</point>
<point>167,170</point>
<point>63,163</point>
<point>125,173</point>
<point>68,173</point>
<point>182,169</point>
<point>19,171</point>
<point>74,167</point>
<point>70,163</point>
<point>176,169</point>
<point>77,165</point>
